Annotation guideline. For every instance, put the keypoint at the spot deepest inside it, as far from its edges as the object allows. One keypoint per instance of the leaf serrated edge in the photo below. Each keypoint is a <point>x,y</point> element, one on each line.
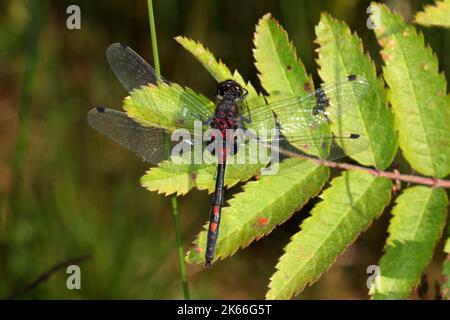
<point>365,56</point>
<point>336,257</point>
<point>246,244</point>
<point>269,18</point>
<point>407,28</point>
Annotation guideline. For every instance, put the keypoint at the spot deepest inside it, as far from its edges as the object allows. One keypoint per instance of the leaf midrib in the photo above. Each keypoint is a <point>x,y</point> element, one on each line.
<point>271,203</point>
<point>372,153</point>
<point>279,59</point>
<point>416,102</point>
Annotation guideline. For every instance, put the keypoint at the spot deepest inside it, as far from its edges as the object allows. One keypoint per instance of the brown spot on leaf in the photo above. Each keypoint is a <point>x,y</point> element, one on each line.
<point>289,67</point>
<point>307,87</point>
<point>382,42</point>
<point>193,176</point>
<point>263,221</point>
<point>424,66</point>
<point>198,249</point>
<point>405,33</point>
<point>386,57</point>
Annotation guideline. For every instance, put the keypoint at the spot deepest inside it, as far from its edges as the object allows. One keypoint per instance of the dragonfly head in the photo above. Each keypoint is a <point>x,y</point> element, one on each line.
<point>229,90</point>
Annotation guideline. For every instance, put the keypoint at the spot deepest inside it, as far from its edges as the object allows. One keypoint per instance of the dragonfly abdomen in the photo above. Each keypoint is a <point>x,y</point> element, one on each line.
<point>216,210</point>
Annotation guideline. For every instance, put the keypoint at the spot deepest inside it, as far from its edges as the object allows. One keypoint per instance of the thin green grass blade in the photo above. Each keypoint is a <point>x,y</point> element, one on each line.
<point>418,95</point>
<point>418,220</point>
<point>349,206</point>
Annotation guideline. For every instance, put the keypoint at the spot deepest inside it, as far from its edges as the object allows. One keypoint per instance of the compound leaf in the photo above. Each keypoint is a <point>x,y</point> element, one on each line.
<point>417,93</point>
<point>348,207</point>
<point>341,54</point>
<point>262,205</point>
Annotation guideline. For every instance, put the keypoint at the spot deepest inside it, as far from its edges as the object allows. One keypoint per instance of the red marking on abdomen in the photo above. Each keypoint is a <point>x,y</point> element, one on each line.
<point>216,209</point>
<point>213,226</point>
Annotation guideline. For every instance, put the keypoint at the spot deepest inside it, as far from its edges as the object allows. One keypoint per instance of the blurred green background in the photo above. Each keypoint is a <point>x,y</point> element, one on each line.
<point>66,191</point>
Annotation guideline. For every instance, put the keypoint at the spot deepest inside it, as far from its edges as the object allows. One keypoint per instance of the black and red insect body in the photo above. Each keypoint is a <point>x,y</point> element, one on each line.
<point>300,120</point>
<point>225,122</point>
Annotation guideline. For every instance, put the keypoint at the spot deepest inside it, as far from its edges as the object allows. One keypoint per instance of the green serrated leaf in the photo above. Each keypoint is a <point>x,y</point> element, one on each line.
<point>417,93</point>
<point>341,54</point>
<point>348,207</point>
<point>435,16</point>
<point>218,69</point>
<point>180,178</point>
<point>171,178</point>
<point>163,106</point>
<point>418,220</point>
<point>263,205</point>
<point>282,74</point>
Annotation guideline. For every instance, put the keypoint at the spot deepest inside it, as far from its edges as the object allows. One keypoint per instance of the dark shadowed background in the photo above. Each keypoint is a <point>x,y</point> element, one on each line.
<point>66,191</point>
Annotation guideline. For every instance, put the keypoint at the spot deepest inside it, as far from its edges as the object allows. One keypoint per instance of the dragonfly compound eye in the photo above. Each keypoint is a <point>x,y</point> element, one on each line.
<point>229,90</point>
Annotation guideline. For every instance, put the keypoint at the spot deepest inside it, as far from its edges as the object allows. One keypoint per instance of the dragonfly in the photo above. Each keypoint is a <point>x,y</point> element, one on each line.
<point>300,121</point>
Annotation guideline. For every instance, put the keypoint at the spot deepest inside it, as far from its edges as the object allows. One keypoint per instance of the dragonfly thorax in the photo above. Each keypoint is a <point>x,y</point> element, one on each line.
<point>225,116</point>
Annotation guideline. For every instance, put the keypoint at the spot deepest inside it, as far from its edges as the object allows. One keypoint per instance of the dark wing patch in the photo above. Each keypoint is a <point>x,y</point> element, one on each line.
<point>146,142</point>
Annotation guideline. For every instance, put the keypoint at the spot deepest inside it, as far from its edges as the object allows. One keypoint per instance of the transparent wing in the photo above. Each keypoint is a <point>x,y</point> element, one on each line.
<point>131,70</point>
<point>328,147</point>
<point>325,104</point>
<point>134,72</point>
<point>146,142</point>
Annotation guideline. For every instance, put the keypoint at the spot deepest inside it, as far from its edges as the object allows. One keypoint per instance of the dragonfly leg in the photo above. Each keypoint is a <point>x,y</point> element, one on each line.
<point>277,122</point>
<point>242,98</point>
<point>249,118</point>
